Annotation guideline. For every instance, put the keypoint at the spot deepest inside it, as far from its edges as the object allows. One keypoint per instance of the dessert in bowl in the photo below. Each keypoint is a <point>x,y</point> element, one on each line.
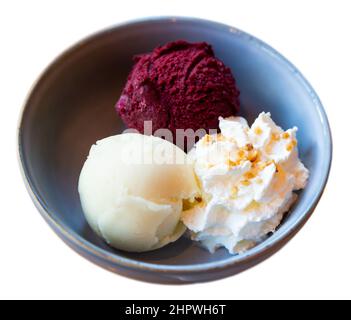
<point>72,106</point>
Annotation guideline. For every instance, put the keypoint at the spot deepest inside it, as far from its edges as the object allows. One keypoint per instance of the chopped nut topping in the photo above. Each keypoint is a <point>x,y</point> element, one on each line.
<point>249,147</point>
<point>198,199</point>
<point>245,182</point>
<point>258,131</point>
<point>275,137</point>
<point>207,138</point>
<point>249,175</point>
<point>286,135</point>
<point>220,137</point>
<point>235,191</point>
<point>291,145</point>
<point>241,153</point>
<point>253,156</point>
<point>279,168</point>
<point>232,163</point>
<point>262,165</point>
<point>254,205</point>
<point>259,166</point>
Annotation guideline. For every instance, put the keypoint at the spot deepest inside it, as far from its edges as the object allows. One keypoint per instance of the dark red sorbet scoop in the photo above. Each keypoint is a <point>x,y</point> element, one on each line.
<point>179,85</point>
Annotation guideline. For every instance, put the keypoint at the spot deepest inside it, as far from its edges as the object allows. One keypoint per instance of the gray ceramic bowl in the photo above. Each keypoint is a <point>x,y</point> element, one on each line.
<point>72,105</point>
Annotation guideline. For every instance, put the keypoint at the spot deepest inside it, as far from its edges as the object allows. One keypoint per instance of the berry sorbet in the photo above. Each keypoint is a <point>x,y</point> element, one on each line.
<point>179,85</point>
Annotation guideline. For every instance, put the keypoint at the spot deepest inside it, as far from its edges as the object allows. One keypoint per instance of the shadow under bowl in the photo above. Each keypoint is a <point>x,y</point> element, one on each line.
<point>72,106</point>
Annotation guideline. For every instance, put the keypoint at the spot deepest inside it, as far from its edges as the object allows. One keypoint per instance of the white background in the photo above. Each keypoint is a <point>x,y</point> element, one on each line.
<point>314,35</point>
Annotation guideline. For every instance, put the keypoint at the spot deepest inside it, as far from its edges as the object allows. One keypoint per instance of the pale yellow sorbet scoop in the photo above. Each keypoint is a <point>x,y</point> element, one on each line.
<point>132,188</point>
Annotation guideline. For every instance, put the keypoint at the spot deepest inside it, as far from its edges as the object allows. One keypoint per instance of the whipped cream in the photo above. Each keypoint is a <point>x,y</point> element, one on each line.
<point>248,177</point>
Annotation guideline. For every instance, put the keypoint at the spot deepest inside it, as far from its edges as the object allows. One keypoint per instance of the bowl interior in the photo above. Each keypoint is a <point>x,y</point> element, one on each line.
<point>72,106</point>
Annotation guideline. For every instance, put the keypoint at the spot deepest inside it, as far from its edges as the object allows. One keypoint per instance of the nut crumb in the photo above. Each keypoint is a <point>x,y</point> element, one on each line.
<point>245,182</point>
<point>275,137</point>
<point>249,175</point>
<point>235,191</point>
<point>258,131</point>
<point>253,156</point>
<point>241,153</point>
<point>286,135</point>
<point>291,145</point>
<point>207,138</point>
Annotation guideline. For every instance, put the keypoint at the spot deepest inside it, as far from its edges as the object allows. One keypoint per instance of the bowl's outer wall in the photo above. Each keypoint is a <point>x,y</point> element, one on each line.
<point>72,106</point>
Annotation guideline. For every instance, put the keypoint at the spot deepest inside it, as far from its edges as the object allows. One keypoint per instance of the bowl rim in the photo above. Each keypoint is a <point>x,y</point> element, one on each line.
<point>258,251</point>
